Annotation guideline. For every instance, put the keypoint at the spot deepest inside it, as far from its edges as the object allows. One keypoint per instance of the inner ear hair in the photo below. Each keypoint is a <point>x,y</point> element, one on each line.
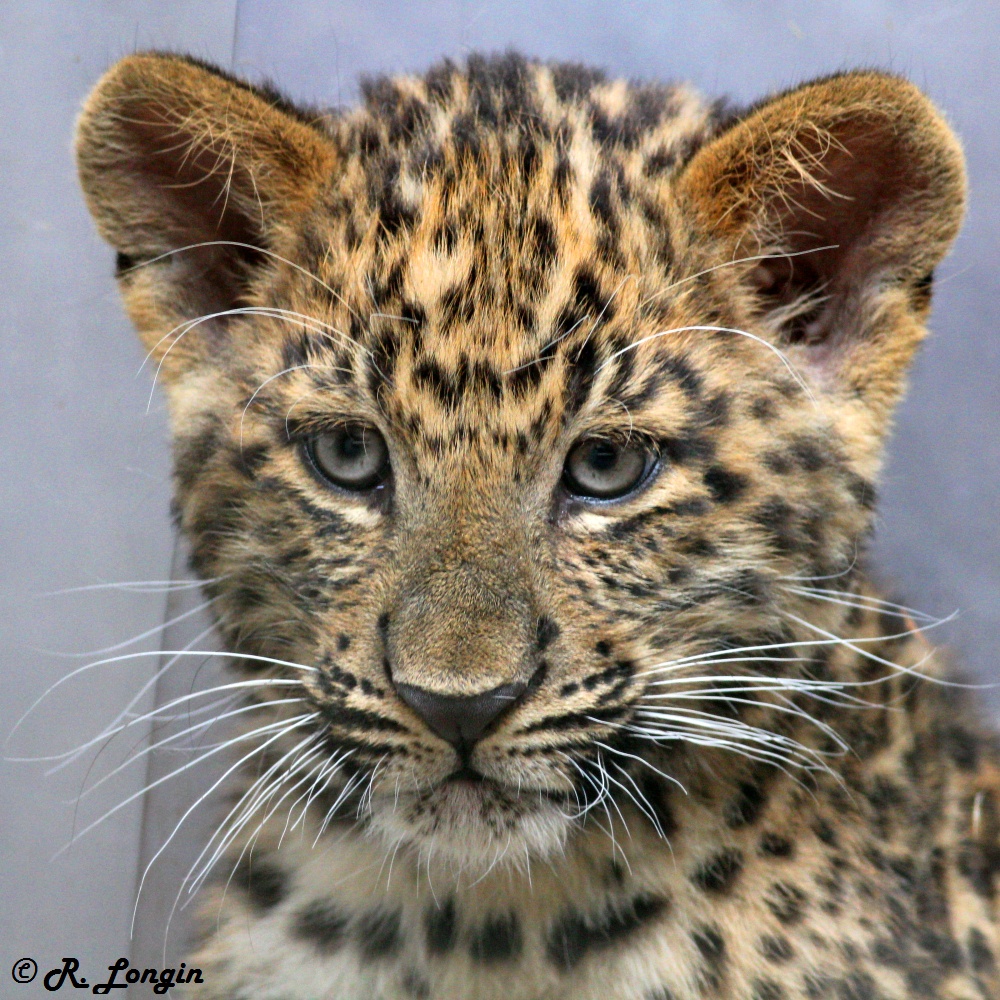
<point>197,172</point>
<point>795,295</point>
<point>840,188</point>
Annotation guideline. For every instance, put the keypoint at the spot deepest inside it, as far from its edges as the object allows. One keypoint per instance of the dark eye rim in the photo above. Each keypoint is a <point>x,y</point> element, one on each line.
<point>653,464</point>
<point>373,485</point>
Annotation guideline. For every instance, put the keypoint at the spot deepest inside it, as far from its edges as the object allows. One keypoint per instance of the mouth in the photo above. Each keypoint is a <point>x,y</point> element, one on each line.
<point>470,822</point>
<point>467,776</point>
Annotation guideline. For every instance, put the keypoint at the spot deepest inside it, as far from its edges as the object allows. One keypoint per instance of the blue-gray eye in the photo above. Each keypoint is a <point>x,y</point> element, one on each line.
<point>604,469</point>
<point>353,457</point>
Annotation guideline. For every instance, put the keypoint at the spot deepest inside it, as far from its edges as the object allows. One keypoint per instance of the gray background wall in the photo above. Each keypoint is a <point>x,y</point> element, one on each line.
<point>83,467</point>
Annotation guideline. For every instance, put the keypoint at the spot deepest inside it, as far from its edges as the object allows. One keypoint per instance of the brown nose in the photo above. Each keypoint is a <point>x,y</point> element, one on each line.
<point>461,720</point>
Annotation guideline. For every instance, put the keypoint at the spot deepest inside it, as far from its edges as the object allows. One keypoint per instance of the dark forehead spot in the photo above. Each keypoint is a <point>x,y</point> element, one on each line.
<point>588,297</point>
<point>378,933</point>
<point>498,939</point>
<point>562,177</point>
<point>767,989</point>
<point>709,941</point>
<point>580,379</point>
<point>980,954</point>
<point>677,368</point>
<point>573,81</point>
<point>718,873</point>
<point>440,926</point>
<point>321,924</point>
<point>601,201</point>
<point>438,81</point>
<point>787,902</point>
<point>265,884</point>
<point>414,985</point>
<point>776,948</point>
<point>544,242</point>
<point>774,845</point>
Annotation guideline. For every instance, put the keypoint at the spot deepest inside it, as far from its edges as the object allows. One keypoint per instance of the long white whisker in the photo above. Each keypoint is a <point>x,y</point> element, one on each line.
<point>243,810</point>
<point>861,601</point>
<point>854,646</point>
<point>246,246</point>
<point>201,726</point>
<point>137,638</point>
<point>110,729</point>
<point>173,774</point>
<point>732,263</point>
<point>156,712</point>
<point>191,809</point>
<point>782,357</point>
<point>136,586</point>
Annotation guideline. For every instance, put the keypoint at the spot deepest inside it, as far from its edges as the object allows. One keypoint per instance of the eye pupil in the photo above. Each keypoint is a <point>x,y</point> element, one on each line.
<point>352,444</point>
<point>603,456</point>
<point>354,457</point>
<point>601,469</point>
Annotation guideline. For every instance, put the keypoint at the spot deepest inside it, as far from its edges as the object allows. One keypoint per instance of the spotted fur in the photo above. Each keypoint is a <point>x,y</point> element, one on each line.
<point>723,774</point>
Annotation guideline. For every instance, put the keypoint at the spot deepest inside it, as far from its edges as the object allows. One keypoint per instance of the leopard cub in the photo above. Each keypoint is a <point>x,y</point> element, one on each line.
<point>526,427</point>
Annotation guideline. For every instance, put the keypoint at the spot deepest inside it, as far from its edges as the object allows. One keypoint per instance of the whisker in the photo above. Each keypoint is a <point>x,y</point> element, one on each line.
<point>248,246</point>
<point>641,803</point>
<point>732,263</point>
<point>207,724</point>
<point>707,730</point>
<point>236,819</point>
<point>863,602</point>
<point>641,760</point>
<point>311,323</point>
<point>792,370</point>
<point>191,809</point>
<point>126,712</point>
<point>854,646</point>
<point>302,719</point>
<point>137,638</point>
<point>153,713</point>
<point>139,586</point>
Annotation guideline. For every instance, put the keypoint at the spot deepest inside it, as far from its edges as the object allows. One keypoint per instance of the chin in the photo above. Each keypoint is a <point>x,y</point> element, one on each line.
<point>465,827</point>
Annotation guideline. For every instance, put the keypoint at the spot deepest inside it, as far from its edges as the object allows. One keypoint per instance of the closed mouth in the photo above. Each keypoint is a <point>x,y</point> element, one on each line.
<point>467,776</point>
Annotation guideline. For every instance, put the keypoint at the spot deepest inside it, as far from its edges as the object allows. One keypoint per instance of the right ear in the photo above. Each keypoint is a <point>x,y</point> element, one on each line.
<point>198,174</point>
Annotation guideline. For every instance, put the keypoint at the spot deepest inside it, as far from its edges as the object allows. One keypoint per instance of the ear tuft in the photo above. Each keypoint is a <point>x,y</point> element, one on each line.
<point>847,186</point>
<point>174,154</point>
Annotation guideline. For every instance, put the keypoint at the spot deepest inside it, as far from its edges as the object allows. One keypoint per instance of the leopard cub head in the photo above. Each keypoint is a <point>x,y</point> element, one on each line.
<point>512,408</point>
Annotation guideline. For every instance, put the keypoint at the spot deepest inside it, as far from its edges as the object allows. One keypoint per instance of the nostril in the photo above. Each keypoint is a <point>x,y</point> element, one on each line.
<point>460,719</point>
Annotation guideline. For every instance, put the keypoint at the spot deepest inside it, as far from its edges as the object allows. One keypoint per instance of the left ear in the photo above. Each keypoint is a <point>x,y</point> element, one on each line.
<point>855,187</point>
<point>175,155</point>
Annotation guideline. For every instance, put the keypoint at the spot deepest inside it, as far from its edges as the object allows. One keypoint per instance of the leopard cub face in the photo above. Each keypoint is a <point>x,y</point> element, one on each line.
<point>512,409</point>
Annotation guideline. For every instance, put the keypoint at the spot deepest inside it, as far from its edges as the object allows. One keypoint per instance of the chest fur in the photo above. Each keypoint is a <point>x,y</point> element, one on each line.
<point>762,895</point>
